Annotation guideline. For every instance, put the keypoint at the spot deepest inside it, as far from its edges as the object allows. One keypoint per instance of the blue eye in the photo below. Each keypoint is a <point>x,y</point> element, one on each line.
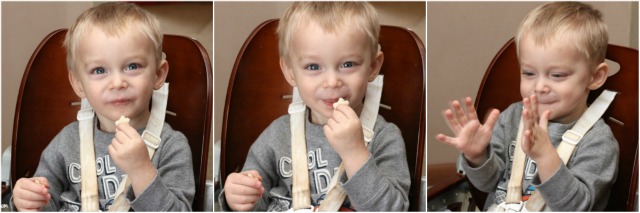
<point>132,66</point>
<point>98,71</point>
<point>313,67</point>
<point>347,64</point>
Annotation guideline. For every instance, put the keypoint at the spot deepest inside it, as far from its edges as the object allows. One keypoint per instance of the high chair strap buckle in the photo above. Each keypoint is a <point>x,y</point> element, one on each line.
<point>152,140</point>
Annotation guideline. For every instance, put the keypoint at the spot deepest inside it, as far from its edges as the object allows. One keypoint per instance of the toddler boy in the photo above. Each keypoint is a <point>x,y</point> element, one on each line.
<point>114,58</point>
<point>561,49</point>
<point>328,50</point>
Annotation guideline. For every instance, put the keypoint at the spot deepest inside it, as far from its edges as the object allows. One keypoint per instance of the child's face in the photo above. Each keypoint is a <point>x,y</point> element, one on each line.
<point>328,66</point>
<point>117,74</point>
<point>558,74</point>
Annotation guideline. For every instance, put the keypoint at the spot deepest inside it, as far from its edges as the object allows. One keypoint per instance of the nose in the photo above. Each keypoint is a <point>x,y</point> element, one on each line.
<point>118,81</point>
<point>332,80</point>
<point>541,86</point>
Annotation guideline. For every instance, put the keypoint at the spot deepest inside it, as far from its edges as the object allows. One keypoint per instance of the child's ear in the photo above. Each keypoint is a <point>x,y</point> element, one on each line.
<point>376,64</point>
<point>76,84</point>
<point>287,72</point>
<point>161,74</point>
<point>599,76</point>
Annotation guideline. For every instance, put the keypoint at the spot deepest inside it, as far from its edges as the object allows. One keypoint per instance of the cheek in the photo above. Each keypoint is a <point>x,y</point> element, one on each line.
<point>525,88</point>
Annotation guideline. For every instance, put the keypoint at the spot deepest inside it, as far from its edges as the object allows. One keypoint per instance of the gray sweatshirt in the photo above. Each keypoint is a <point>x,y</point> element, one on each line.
<point>381,184</point>
<point>583,184</point>
<point>172,189</point>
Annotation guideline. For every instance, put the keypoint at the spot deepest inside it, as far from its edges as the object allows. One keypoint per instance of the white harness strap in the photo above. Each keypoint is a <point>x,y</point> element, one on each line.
<point>570,140</point>
<point>336,194</point>
<point>300,189</point>
<point>89,194</point>
<point>151,137</point>
<point>371,106</point>
<point>514,187</point>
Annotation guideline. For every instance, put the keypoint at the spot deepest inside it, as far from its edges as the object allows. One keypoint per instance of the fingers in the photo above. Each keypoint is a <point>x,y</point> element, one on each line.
<point>126,132</point>
<point>446,139</point>
<point>242,207</point>
<point>465,136</point>
<point>243,190</point>
<point>452,121</point>
<point>30,195</point>
<point>471,110</point>
<point>243,179</point>
<point>544,119</point>
<point>41,181</point>
<point>526,119</point>
<point>337,117</point>
<point>492,119</point>
<point>253,174</point>
<point>527,142</point>
<point>460,115</point>
<point>346,111</point>
<point>534,107</point>
<point>30,185</point>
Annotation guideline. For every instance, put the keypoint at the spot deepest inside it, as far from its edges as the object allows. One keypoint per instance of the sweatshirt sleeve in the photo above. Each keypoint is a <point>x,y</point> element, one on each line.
<point>52,166</point>
<point>382,183</point>
<point>173,188</point>
<point>584,184</point>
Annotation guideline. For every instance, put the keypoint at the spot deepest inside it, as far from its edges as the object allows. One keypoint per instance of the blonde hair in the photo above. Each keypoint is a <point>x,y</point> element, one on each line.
<point>580,21</point>
<point>113,19</point>
<point>332,17</point>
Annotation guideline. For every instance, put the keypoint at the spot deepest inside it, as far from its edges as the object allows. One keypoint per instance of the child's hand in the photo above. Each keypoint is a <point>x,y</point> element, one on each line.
<point>471,137</point>
<point>536,143</point>
<point>129,151</point>
<point>243,190</point>
<point>344,133</point>
<point>31,194</point>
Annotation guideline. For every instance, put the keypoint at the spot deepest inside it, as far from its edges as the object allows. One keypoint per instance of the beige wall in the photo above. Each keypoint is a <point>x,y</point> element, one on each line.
<point>24,25</point>
<point>234,21</point>
<point>464,37</point>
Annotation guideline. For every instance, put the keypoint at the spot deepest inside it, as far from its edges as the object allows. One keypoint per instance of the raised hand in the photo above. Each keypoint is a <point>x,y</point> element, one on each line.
<point>344,133</point>
<point>471,137</point>
<point>536,143</point>
<point>243,190</point>
<point>130,154</point>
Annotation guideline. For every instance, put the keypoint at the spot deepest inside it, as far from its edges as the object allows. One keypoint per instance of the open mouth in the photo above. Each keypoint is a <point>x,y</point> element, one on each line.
<point>331,101</point>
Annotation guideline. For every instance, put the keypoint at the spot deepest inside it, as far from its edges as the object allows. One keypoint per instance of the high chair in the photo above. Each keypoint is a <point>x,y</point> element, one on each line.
<point>497,91</point>
<point>257,87</point>
<point>45,106</point>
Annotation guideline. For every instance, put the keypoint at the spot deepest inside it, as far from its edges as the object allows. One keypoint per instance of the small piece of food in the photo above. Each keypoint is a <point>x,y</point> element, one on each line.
<point>38,182</point>
<point>340,102</point>
<point>251,176</point>
<point>122,120</point>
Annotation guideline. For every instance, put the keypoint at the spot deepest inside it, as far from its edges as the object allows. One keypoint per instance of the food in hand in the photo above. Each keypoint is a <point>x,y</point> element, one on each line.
<point>122,120</point>
<point>341,101</point>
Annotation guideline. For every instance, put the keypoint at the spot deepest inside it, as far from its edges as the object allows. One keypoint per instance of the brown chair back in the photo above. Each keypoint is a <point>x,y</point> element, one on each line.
<point>497,91</point>
<point>44,103</point>
<point>254,97</point>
